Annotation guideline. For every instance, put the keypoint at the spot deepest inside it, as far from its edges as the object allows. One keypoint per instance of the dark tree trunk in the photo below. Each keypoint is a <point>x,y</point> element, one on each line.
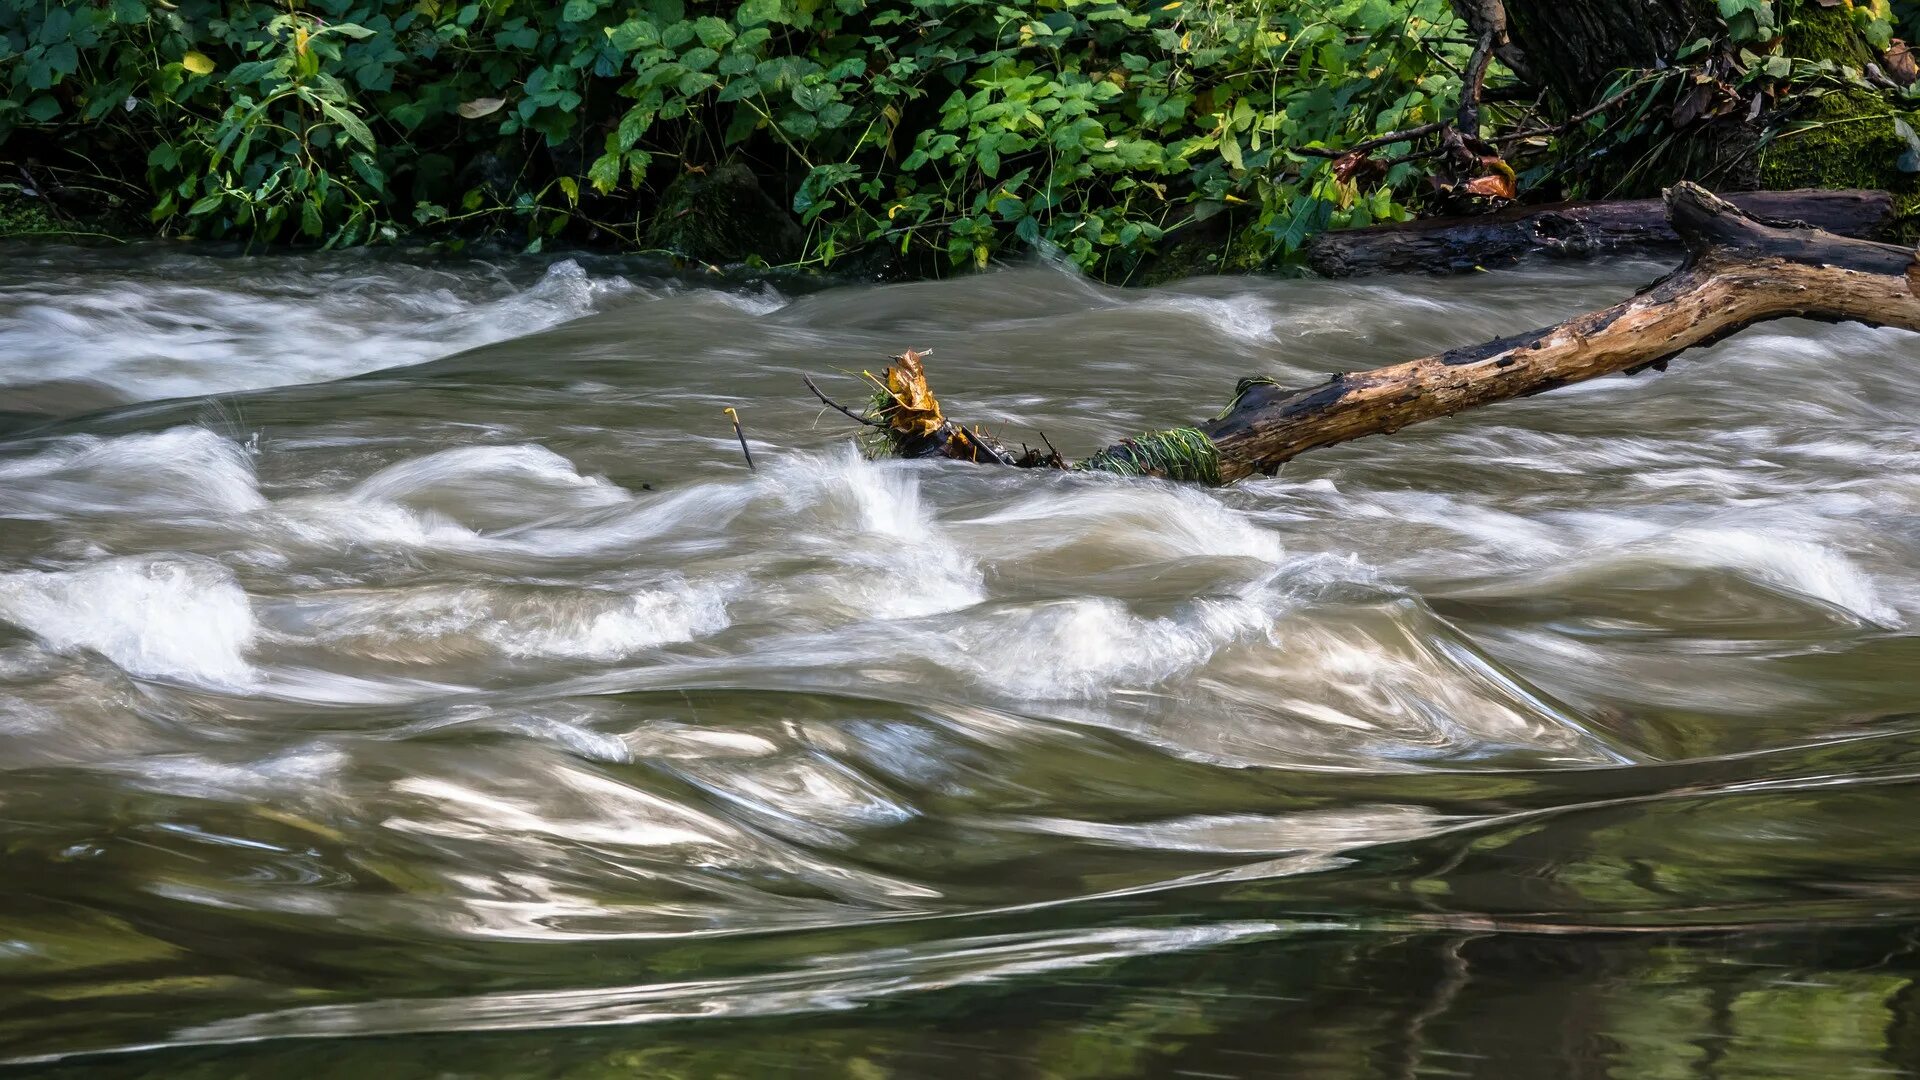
<point>1574,47</point>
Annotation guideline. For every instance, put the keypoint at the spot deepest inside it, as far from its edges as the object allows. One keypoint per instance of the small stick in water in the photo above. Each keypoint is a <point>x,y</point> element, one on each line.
<point>741,435</point>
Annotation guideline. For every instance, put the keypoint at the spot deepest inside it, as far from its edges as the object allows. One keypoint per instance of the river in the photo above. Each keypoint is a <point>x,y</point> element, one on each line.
<point>403,674</point>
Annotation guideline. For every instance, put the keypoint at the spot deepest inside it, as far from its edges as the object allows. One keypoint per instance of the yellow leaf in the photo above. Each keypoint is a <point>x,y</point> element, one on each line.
<point>914,410</point>
<point>197,63</point>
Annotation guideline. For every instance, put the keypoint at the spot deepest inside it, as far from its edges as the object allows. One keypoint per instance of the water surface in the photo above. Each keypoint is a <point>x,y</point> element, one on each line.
<point>401,673</point>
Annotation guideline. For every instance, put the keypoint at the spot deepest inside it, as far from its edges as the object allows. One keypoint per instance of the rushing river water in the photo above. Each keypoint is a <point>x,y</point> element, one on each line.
<point>401,674</point>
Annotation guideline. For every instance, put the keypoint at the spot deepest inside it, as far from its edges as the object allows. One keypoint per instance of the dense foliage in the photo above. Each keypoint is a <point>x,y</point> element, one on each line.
<point>947,128</point>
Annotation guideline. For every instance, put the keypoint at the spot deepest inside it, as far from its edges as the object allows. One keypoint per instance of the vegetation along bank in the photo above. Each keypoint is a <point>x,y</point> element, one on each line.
<point>1138,140</point>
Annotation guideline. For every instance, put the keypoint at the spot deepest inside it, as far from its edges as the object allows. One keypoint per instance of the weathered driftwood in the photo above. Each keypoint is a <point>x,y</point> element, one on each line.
<point>1570,231</point>
<point>1738,271</point>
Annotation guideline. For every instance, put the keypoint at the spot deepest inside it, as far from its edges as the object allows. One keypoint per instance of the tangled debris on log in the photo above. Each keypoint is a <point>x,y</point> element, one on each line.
<point>1739,270</point>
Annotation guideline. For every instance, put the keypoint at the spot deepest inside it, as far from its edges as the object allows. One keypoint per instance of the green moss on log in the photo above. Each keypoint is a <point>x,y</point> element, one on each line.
<point>1178,454</point>
<point>1827,33</point>
<point>1849,142</point>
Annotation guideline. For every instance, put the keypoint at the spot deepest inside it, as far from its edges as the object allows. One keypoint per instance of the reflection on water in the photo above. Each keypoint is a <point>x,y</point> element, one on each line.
<point>490,711</point>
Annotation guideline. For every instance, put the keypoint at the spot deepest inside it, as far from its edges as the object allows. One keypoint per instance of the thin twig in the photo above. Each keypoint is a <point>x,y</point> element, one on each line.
<point>1376,143</point>
<point>1571,122</point>
<point>830,403</point>
<point>742,436</point>
<point>1467,121</point>
<point>1476,77</point>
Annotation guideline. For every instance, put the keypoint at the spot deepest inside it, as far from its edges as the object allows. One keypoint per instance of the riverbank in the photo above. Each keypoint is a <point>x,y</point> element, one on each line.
<point>902,139</point>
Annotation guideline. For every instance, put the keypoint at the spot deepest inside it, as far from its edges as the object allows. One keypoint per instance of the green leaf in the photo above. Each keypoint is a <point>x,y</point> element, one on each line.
<point>1910,159</point>
<point>369,172</point>
<point>811,98</point>
<point>207,204</point>
<point>834,113</point>
<point>632,125</point>
<point>43,108</point>
<point>354,127</point>
<point>1230,152</point>
<point>579,10</point>
<point>604,173</point>
<point>756,12</point>
<point>254,71</point>
<point>680,33</point>
<point>632,35</point>
<point>713,32</point>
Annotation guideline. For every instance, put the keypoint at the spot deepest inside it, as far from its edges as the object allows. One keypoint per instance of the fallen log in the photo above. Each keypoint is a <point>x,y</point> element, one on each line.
<point>1570,231</point>
<point>1738,271</point>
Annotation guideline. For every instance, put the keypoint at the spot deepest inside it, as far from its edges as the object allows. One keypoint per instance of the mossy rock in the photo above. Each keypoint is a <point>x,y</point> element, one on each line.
<point>1221,244</point>
<point>23,215</point>
<point>722,216</point>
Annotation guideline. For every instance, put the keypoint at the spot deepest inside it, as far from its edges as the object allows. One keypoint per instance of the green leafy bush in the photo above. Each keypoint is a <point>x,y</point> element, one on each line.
<point>942,131</point>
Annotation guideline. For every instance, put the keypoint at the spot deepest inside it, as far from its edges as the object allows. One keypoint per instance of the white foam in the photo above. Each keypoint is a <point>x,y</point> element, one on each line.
<point>490,486</point>
<point>871,517</point>
<point>172,617</point>
<point>426,624</point>
<point>1787,563</point>
<point>1245,318</point>
<point>609,628</point>
<point>179,472</point>
<point>173,333</point>
<point>1130,522</point>
<point>1085,648</point>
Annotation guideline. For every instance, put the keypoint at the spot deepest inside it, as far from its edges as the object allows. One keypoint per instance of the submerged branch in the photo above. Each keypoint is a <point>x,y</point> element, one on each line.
<point>1739,270</point>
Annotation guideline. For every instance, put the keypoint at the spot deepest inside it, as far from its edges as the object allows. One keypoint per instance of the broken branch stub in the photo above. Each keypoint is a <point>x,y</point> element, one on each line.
<point>1739,271</point>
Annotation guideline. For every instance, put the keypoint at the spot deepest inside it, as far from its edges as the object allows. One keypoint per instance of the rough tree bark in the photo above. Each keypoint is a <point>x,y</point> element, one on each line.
<point>1739,270</point>
<point>1576,47</point>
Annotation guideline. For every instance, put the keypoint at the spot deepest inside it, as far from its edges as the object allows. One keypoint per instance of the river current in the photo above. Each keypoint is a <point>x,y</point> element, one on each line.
<point>402,673</point>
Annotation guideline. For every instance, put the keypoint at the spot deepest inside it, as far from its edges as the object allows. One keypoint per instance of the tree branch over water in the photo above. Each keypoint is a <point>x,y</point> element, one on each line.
<point>1739,270</point>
